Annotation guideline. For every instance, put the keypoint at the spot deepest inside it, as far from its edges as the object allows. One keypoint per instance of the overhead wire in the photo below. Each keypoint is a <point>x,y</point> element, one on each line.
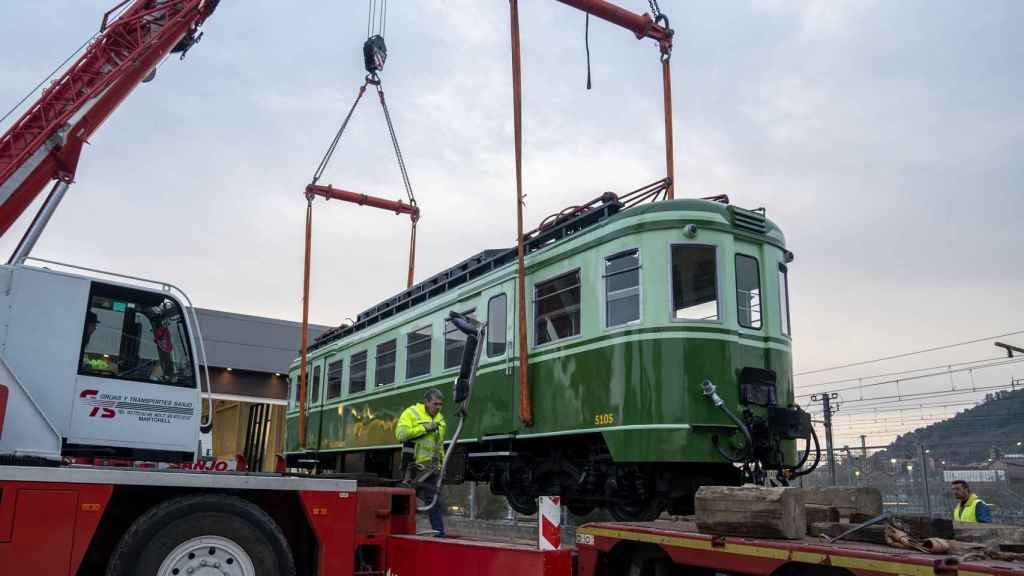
<point>900,372</point>
<point>883,409</point>
<point>907,354</point>
<point>897,381</point>
<point>928,395</point>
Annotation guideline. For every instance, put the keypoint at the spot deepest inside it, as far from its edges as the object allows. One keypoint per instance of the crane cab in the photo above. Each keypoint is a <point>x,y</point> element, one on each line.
<point>95,368</point>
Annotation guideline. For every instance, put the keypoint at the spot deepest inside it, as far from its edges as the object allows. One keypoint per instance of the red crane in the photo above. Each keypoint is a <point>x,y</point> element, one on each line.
<point>45,143</point>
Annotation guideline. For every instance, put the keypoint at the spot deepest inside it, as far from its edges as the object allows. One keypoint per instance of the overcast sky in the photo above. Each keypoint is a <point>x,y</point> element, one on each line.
<point>884,138</point>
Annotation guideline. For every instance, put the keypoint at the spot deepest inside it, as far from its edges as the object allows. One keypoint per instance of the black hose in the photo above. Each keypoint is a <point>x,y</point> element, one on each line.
<point>734,459</point>
<point>817,457</point>
<point>803,460</point>
<point>711,394</point>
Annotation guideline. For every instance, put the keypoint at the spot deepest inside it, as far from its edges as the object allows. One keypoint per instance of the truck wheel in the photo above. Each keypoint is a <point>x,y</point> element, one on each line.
<point>205,534</point>
<point>648,562</point>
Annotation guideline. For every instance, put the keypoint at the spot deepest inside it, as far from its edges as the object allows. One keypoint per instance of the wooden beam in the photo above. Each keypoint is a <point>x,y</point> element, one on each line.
<point>848,500</point>
<point>751,511</point>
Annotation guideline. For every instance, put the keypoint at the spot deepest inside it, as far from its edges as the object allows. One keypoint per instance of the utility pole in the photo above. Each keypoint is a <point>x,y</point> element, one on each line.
<point>849,466</point>
<point>924,476</point>
<point>828,409</point>
<point>864,447</point>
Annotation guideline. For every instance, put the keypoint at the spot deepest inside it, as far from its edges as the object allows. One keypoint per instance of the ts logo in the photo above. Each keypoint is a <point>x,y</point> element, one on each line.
<point>102,408</point>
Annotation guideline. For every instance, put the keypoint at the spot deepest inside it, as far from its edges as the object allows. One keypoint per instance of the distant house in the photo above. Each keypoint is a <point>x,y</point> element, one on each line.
<point>974,476</point>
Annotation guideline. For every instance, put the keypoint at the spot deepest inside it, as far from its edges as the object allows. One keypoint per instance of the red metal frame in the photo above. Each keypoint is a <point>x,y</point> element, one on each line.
<point>73,107</point>
<point>49,527</point>
<point>428,556</point>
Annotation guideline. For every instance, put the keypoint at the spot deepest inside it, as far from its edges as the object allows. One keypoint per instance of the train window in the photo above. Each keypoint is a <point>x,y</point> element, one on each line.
<point>357,373</point>
<point>385,372</point>
<point>784,297</point>
<point>314,387</point>
<point>694,282</point>
<point>556,308</point>
<point>748,291</point>
<point>334,379</point>
<point>417,352</point>
<point>622,288</point>
<point>454,342</point>
<point>497,313</point>
<point>135,335</point>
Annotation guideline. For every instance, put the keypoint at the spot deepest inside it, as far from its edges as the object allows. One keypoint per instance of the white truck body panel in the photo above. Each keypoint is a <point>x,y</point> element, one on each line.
<point>173,478</point>
<point>42,319</point>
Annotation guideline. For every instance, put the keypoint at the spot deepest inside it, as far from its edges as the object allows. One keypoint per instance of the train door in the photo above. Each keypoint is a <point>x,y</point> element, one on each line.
<point>494,398</point>
<point>314,403</point>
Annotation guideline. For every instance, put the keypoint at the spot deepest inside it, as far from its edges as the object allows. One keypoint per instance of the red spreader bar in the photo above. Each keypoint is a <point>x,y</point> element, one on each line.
<point>332,193</point>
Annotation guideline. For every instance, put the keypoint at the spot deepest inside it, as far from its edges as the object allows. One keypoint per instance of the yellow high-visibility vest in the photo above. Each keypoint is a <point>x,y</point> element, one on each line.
<point>429,445</point>
<point>964,511</point>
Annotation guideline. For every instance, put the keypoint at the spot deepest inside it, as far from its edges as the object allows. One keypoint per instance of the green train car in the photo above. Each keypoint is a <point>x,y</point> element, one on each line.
<point>633,313</point>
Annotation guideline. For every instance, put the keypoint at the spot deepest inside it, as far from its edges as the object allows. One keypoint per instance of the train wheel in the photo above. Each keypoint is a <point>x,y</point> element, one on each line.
<point>198,534</point>
<point>522,503</point>
<point>636,511</point>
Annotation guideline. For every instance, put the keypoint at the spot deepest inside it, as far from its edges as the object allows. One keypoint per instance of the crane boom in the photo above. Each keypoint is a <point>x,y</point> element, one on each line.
<point>46,141</point>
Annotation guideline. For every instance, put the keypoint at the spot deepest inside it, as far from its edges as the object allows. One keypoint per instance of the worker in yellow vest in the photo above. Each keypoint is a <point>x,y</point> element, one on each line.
<point>970,508</point>
<point>421,430</point>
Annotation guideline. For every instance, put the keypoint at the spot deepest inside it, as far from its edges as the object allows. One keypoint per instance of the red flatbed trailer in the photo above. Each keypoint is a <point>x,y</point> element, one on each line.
<point>662,548</point>
<point>83,520</point>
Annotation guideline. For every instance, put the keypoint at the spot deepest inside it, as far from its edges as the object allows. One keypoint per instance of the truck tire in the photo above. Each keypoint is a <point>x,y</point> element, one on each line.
<point>648,563</point>
<point>209,533</point>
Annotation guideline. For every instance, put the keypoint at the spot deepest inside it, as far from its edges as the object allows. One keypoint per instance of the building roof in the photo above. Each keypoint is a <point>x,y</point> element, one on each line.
<point>244,342</point>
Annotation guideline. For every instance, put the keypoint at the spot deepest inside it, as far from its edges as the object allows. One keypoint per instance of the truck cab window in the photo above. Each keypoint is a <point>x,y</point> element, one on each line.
<point>694,282</point>
<point>135,335</point>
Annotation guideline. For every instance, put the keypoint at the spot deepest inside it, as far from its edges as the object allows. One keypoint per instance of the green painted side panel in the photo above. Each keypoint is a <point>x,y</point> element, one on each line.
<point>652,380</point>
<point>291,434</point>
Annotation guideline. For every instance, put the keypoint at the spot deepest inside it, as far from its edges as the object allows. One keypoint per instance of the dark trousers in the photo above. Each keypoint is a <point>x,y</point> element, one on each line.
<point>426,482</point>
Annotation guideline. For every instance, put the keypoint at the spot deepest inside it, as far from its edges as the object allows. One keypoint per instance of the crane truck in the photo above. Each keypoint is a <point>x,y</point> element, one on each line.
<point>95,364</point>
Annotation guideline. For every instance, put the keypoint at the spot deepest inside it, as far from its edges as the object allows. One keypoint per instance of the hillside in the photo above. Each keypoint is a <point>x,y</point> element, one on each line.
<point>985,431</point>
